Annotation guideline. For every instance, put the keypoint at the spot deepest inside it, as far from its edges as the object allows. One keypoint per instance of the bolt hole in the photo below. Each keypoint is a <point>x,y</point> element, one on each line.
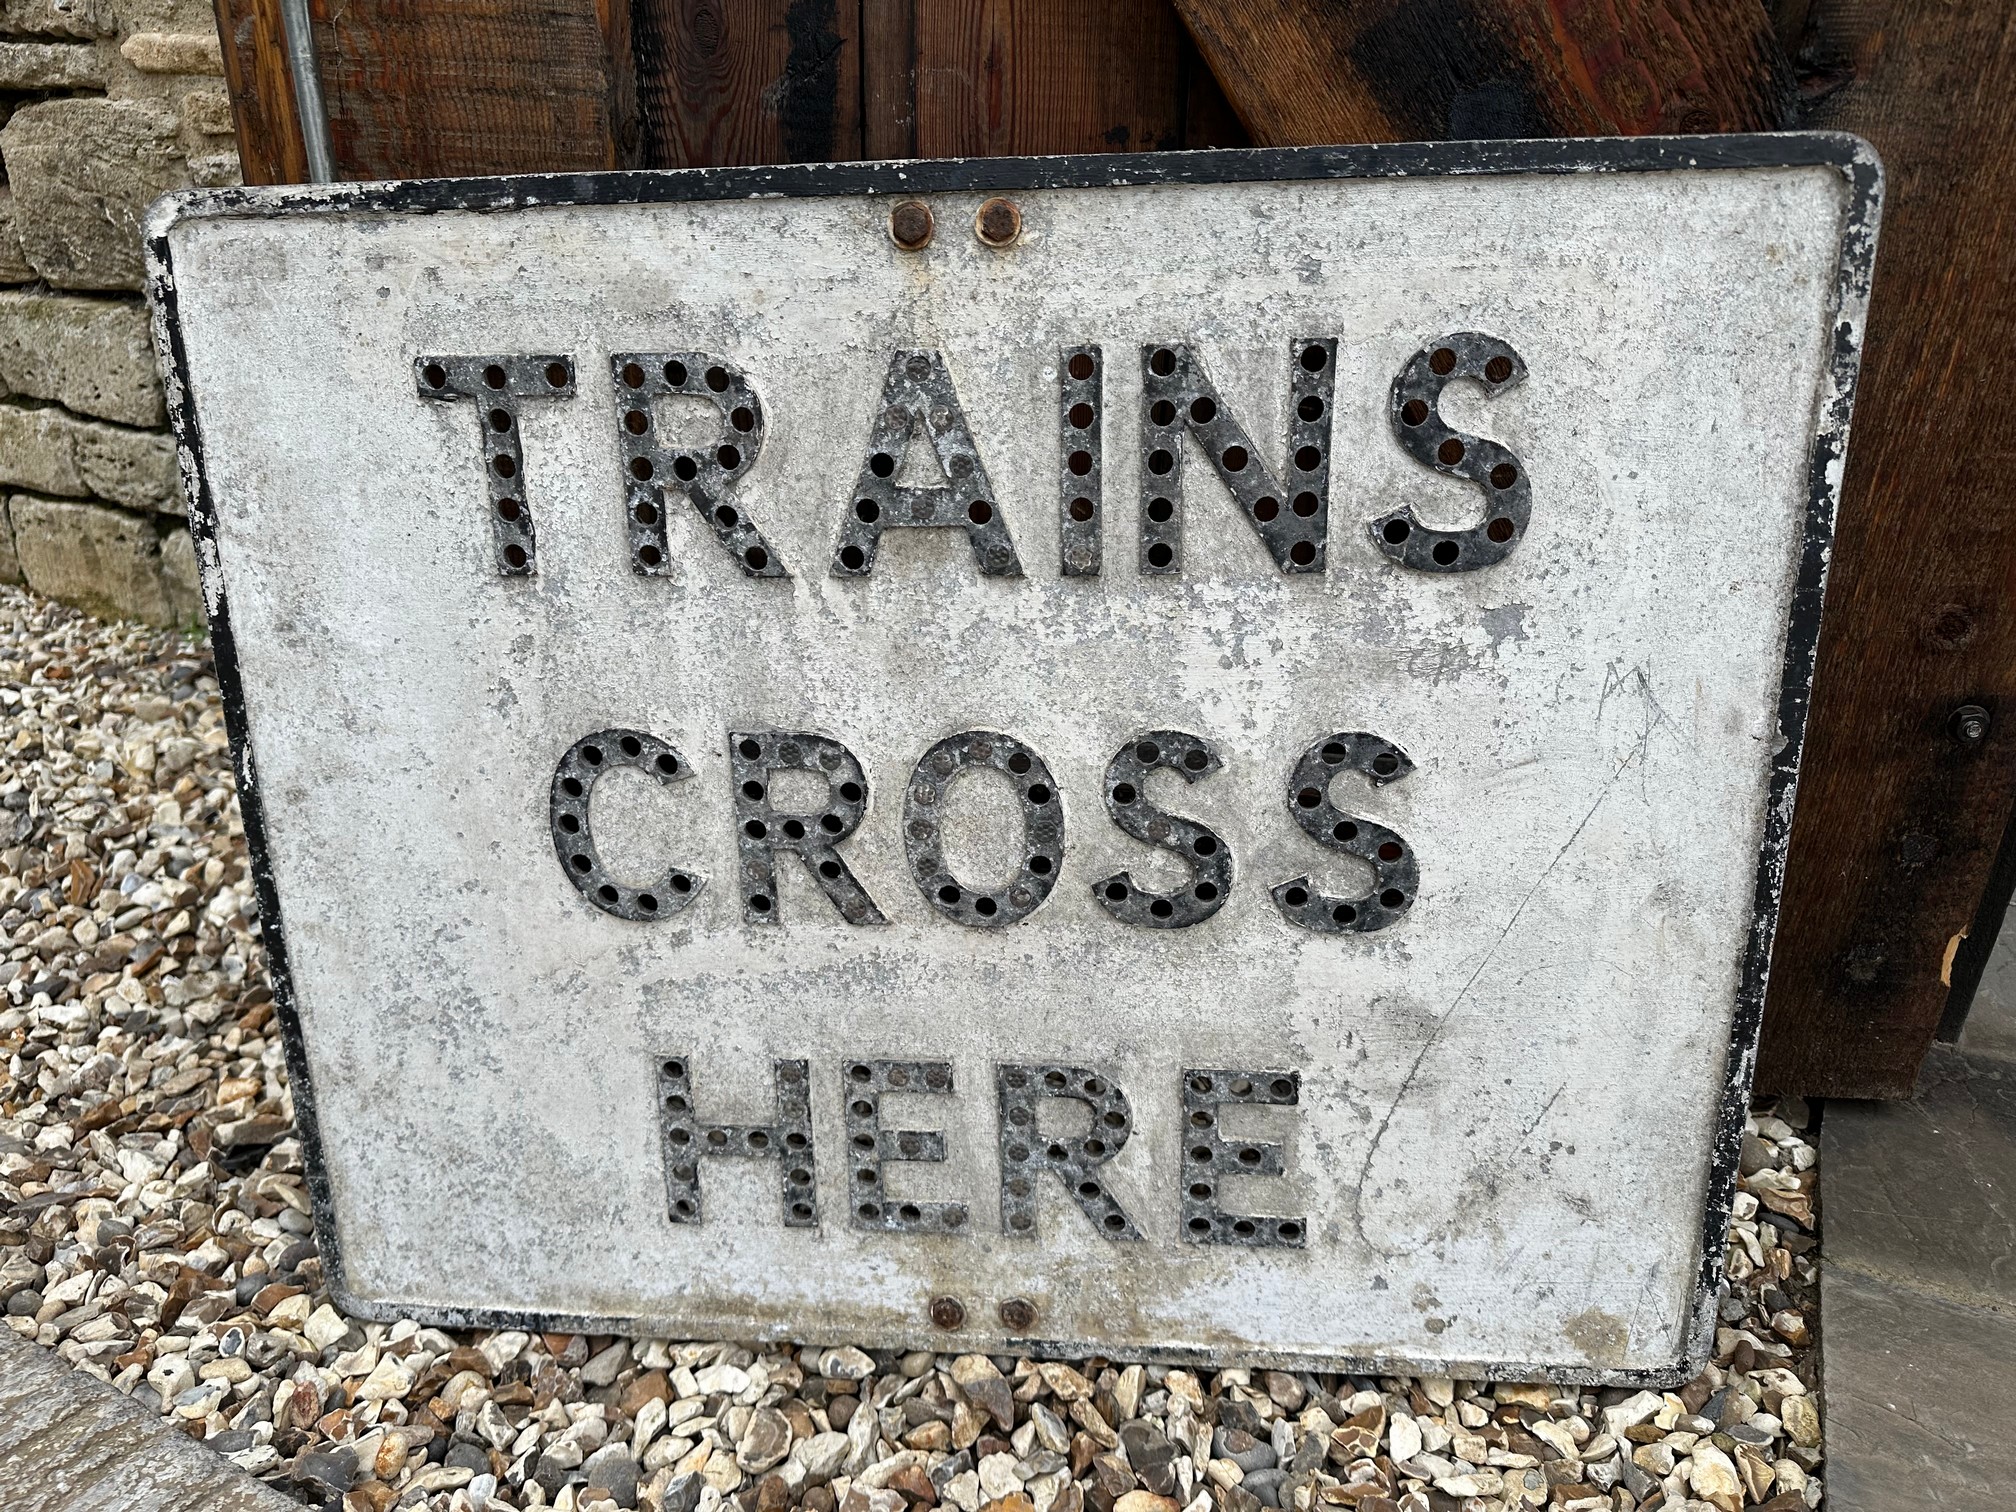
<point>742,418</point>
<point>1038,794</point>
<point>1344,913</point>
<point>636,422</point>
<point>1081,366</point>
<point>645,514</point>
<point>717,378</point>
<point>1080,463</point>
<point>948,894</point>
<point>1309,797</point>
<point>633,375</point>
<point>1266,508</point>
<point>647,903</point>
<point>1308,458</point>
<point>882,464</point>
<point>1498,369</point>
<point>1396,531</point>
<point>730,458</point>
<point>985,907</point>
<point>1116,892</point>
<point>684,468</point>
<point>759,902</point>
<point>1305,504</point>
<point>1311,408</point>
<point>1205,846</point>
<point>1163,363</point>
<point>1159,462</point>
<point>675,375</point>
<point>631,746</point>
<point>1295,897</point>
<point>1392,898</point>
<point>434,375</point>
<point>668,763</point>
<point>1196,760</point>
<point>1081,510</point>
<point>493,376</point>
<point>1504,475</point>
<point>1161,908</point>
<point>606,893</point>
<point>508,509</point>
<point>1206,892</point>
<point>1040,865</point>
<point>503,466</point>
<point>1160,510</point>
<point>581,864</point>
<point>1443,361</point>
<point>1445,553</point>
<point>1414,411</point>
<point>1124,793</point>
<point>650,556</point>
<point>1313,358</point>
<point>1501,530</point>
<point>1385,763</point>
<point>1159,555</point>
<point>1302,553</point>
<point>1347,831</point>
<point>514,555</point>
<point>750,749</point>
<point>641,468</point>
<point>979,511</point>
<point>1234,458</point>
<point>1202,410</point>
<point>1080,415</point>
<point>757,558</point>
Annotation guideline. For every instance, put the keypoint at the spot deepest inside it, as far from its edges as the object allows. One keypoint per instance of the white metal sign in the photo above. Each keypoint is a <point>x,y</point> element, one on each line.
<point>1170,755</point>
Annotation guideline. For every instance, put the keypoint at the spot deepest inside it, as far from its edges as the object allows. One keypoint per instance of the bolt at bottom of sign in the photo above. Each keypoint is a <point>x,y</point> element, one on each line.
<point>948,1312</point>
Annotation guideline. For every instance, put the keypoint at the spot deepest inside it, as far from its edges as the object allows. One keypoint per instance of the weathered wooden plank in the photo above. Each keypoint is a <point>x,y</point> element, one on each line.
<point>442,88</point>
<point>1301,72</point>
<point>1028,76</point>
<point>889,78</point>
<point>261,83</point>
<point>1899,818</point>
<point>759,81</point>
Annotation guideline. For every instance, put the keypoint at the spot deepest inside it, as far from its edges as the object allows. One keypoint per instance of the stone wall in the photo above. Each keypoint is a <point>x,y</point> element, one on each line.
<point>104,104</point>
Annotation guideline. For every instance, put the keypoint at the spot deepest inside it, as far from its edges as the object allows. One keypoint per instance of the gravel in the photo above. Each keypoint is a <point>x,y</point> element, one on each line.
<point>154,1231</point>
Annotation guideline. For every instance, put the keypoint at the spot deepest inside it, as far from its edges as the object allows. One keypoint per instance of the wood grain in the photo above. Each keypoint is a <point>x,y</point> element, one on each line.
<point>889,78</point>
<point>1898,823</point>
<point>748,81</point>
<point>261,82</point>
<point>1305,72</point>
<point>997,77</point>
<point>441,88</point>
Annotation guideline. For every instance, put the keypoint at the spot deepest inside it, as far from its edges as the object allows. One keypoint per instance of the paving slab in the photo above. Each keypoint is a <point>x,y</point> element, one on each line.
<point>1918,1351</point>
<point>70,1443</point>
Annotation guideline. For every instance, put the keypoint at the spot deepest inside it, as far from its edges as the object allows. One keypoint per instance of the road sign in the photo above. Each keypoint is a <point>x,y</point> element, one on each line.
<point>1169,755</point>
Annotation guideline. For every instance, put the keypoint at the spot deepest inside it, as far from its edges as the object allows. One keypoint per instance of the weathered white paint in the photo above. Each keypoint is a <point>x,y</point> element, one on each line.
<point>1507,1098</point>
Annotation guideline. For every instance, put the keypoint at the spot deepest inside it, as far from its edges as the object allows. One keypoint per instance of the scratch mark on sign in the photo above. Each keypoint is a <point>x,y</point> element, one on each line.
<point>1442,1022</point>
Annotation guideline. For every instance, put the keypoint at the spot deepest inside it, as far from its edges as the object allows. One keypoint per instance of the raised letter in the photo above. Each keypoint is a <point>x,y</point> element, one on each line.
<point>760,830</point>
<point>1081,460</point>
<point>1291,518</point>
<point>1205,853</point>
<point>1396,877</point>
<point>870,1146</point>
<point>684,1140</point>
<point>1042,829</point>
<point>1495,469</point>
<point>574,782</point>
<point>1206,1157</point>
<point>499,383</point>
<point>707,474</point>
<point>918,395</point>
<point>1026,1152</point>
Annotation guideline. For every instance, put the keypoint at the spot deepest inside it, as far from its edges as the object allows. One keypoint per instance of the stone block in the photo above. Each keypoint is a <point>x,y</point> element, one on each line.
<point>99,558</point>
<point>208,112</point>
<point>174,52</point>
<point>10,561</point>
<point>58,18</point>
<point>14,266</point>
<point>216,170</point>
<point>51,65</point>
<point>179,577</point>
<point>53,451</point>
<point>94,356</point>
<point>84,172</point>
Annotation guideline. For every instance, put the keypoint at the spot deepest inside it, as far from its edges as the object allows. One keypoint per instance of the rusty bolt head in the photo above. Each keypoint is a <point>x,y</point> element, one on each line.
<point>1970,724</point>
<point>1018,1314</point>
<point>910,225</point>
<point>998,223</point>
<point>948,1312</point>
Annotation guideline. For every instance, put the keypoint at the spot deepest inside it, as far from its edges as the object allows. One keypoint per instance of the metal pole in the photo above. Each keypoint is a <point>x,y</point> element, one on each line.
<point>308,91</point>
